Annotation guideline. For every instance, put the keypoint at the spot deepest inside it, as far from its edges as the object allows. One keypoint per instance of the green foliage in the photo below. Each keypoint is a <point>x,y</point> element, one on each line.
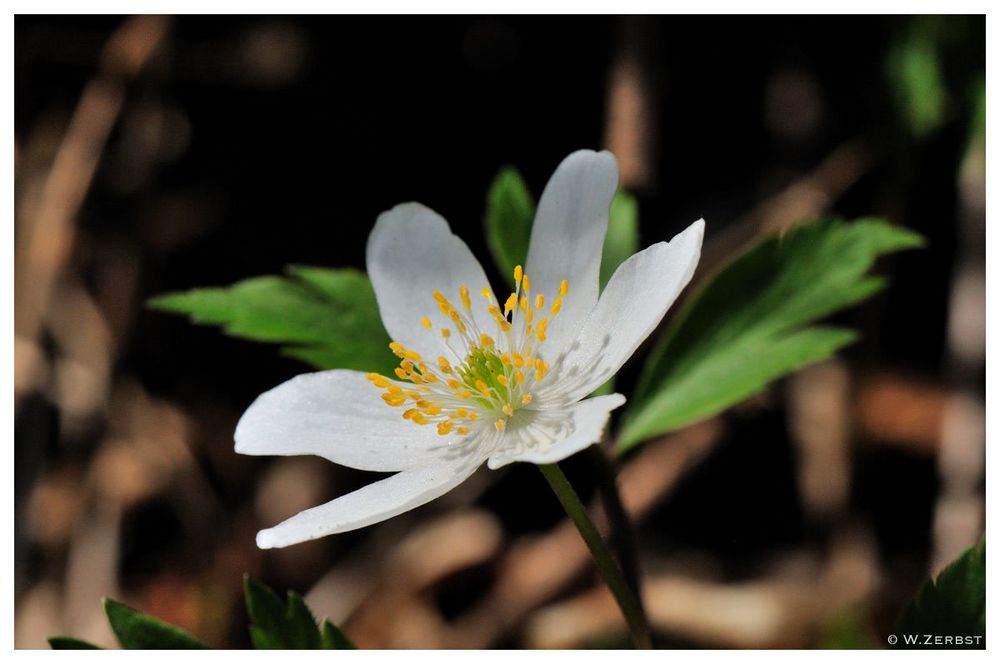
<point>279,625</point>
<point>69,643</point>
<point>952,604</point>
<point>847,631</point>
<point>914,70</point>
<point>273,625</point>
<point>324,317</point>
<point>510,212</point>
<point>137,631</point>
<point>752,322</point>
<point>510,209</point>
<point>622,239</point>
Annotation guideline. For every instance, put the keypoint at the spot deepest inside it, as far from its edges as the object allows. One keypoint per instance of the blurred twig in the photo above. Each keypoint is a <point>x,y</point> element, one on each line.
<point>46,225</point>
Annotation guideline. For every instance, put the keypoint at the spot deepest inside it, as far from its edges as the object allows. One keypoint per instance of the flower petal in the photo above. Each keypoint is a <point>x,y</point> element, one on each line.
<point>340,416</point>
<point>631,306</point>
<point>579,425</point>
<point>568,236</point>
<point>412,253</point>
<point>376,502</point>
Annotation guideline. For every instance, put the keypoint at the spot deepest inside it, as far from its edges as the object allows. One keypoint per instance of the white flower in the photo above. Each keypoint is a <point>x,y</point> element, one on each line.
<point>480,378</point>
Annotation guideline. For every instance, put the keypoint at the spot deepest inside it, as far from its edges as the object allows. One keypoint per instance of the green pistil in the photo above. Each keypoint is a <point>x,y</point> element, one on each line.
<point>485,365</point>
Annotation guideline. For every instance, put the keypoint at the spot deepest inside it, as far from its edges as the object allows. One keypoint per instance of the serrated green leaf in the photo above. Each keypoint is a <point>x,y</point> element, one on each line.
<point>325,317</point>
<point>952,604</point>
<point>750,323</point>
<point>69,643</point>
<point>510,209</point>
<point>285,625</point>
<point>137,631</point>
<point>333,638</point>
<point>622,239</point>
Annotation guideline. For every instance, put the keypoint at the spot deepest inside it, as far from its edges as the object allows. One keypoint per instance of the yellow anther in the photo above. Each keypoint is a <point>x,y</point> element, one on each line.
<point>508,409</point>
<point>499,424</point>
<point>394,389</point>
<point>459,412</point>
<point>445,332</point>
<point>518,360</point>
<point>494,311</point>
<point>445,308</point>
<point>378,380</point>
<point>519,375</point>
<point>397,349</point>
<point>563,288</point>
<point>539,301</point>
<point>432,410</point>
<point>394,399</point>
<point>524,303</point>
<point>440,297</point>
<point>426,322</point>
<point>486,341</point>
<point>444,428</point>
<point>502,379</point>
<point>556,306</point>
<point>482,386</point>
<point>454,384</point>
<point>473,416</point>
<point>423,403</point>
<point>504,325</point>
<point>407,365</point>
<point>410,412</point>
<point>413,395</point>
<point>526,399</point>
<point>485,292</point>
<point>510,303</point>
<point>463,292</point>
<point>464,394</point>
<point>543,327</point>
<point>418,419</point>
<point>401,374</point>
<point>462,430</point>
<point>461,326</point>
<point>530,315</point>
<point>518,273</point>
<point>443,364</point>
<point>423,367</point>
<point>526,284</point>
<point>505,359</point>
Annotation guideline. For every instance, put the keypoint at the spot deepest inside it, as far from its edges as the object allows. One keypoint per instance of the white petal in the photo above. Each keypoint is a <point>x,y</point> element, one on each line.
<point>551,436</point>
<point>412,253</point>
<point>567,237</point>
<point>338,415</point>
<point>376,502</point>
<point>631,306</point>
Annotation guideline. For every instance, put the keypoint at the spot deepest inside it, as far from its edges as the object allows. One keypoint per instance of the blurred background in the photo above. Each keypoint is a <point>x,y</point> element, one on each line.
<point>156,154</point>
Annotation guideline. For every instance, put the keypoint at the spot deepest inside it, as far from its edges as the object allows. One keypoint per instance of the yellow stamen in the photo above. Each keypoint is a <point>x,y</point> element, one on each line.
<point>397,349</point>
<point>526,399</point>
<point>426,322</point>
<point>518,273</point>
<point>445,332</point>
<point>510,303</point>
<point>482,386</point>
<point>485,292</point>
<point>444,428</point>
<point>563,288</point>
<point>519,376</point>
<point>462,430</point>
<point>502,380</point>
<point>394,399</point>
<point>518,360</point>
<point>486,341</point>
<point>508,409</point>
<point>556,306</point>
<point>463,292</point>
<point>499,424</point>
<point>539,301</point>
<point>526,284</point>
<point>401,374</point>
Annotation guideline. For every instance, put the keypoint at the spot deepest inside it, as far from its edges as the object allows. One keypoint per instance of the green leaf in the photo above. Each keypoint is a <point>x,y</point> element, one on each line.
<point>510,209</point>
<point>510,213</point>
<point>69,643</point>
<point>952,604</point>
<point>916,78</point>
<point>286,625</point>
<point>622,239</point>
<point>750,324</point>
<point>327,318</point>
<point>333,638</point>
<point>137,631</point>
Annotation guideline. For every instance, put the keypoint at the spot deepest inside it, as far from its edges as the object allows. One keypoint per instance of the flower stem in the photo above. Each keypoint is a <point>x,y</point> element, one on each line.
<point>627,601</point>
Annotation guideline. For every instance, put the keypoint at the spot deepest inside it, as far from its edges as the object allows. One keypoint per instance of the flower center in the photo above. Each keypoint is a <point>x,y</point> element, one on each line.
<point>487,377</point>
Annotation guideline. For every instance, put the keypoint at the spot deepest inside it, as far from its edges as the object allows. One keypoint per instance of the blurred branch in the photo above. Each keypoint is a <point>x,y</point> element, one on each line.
<point>46,226</point>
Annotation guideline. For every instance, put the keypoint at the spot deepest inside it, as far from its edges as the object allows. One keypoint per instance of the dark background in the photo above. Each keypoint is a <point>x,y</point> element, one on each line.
<point>245,144</point>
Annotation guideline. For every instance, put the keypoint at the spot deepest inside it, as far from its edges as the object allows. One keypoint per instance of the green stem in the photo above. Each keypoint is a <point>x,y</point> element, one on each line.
<point>634,615</point>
